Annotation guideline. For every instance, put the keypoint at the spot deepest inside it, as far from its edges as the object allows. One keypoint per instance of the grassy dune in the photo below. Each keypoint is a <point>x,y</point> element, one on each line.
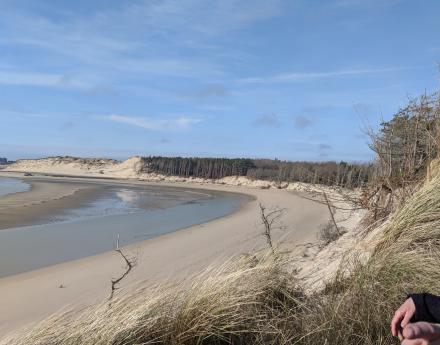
<point>258,301</point>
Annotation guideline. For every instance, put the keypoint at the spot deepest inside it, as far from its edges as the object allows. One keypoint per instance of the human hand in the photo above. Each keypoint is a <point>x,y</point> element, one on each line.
<point>421,333</point>
<point>402,316</point>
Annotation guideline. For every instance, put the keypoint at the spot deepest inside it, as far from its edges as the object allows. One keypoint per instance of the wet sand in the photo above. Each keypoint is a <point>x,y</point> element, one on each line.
<point>44,198</point>
<point>29,297</point>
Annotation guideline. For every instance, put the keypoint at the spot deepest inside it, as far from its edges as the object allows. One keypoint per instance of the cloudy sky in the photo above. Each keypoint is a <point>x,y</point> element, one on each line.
<point>294,79</point>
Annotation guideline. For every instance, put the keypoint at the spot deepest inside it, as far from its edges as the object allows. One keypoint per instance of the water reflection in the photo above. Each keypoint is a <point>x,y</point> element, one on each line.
<point>12,185</point>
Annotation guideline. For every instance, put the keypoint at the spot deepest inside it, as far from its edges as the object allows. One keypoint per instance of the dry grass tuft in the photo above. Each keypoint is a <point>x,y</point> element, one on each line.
<point>224,305</point>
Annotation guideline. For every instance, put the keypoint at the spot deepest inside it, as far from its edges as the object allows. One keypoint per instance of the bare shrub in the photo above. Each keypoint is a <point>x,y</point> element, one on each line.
<point>329,233</point>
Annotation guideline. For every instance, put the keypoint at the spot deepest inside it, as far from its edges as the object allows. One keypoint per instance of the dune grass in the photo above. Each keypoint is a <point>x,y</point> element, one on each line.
<point>259,301</point>
<point>228,304</point>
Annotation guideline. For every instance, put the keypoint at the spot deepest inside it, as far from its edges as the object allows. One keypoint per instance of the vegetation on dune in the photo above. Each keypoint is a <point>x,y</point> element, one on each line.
<point>404,146</point>
<point>258,300</point>
<point>408,142</point>
<point>342,174</point>
<point>211,168</point>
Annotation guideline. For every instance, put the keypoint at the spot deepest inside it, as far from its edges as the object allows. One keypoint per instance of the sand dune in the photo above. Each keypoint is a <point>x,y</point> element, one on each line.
<point>132,168</point>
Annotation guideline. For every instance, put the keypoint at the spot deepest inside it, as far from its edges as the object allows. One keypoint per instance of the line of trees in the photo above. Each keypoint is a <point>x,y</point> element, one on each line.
<point>328,173</point>
<point>211,168</point>
<point>342,174</point>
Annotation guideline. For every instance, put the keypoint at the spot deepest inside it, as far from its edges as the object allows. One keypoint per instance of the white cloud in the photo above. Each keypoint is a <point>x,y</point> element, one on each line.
<point>297,77</point>
<point>149,123</point>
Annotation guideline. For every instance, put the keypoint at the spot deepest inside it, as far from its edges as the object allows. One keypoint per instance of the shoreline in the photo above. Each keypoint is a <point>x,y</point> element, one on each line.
<point>174,255</point>
<point>43,199</point>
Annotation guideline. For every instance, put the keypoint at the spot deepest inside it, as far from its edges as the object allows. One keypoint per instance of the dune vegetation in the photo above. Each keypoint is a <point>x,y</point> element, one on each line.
<point>259,300</point>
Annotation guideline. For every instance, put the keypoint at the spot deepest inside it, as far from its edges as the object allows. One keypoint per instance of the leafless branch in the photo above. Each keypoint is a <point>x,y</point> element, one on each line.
<point>269,219</point>
<point>329,206</point>
<point>130,264</point>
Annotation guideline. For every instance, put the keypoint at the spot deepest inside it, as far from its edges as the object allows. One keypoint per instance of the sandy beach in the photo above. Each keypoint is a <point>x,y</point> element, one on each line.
<point>29,297</point>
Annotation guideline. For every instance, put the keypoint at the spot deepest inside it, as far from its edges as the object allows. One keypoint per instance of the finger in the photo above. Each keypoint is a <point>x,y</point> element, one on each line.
<point>399,335</point>
<point>406,319</point>
<point>421,330</point>
<point>398,316</point>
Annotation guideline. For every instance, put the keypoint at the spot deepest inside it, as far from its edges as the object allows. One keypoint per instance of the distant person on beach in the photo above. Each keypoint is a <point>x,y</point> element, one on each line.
<point>417,320</point>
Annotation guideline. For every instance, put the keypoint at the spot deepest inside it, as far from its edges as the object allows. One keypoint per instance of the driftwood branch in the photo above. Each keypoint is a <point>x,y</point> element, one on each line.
<point>344,198</point>
<point>130,264</point>
<point>329,206</point>
<point>269,219</point>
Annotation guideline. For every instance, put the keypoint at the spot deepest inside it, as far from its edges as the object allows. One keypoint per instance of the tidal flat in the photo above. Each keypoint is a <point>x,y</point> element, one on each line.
<point>45,221</point>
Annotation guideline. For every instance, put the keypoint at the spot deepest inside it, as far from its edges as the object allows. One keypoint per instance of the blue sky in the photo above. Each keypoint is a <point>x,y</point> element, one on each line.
<point>292,80</point>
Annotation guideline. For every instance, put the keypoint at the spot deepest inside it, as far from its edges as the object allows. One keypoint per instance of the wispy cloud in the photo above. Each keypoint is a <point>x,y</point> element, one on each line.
<point>198,17</point>
<point>324,147</point>
<point>212,90</point>
<point>135,38</point>
<point>267,120</point>
<point>302,122</point>
<point>297,77</point>
<point>24,114</point>
<point>153,124</point>
<point>352,3</point>
<point>8,77</point>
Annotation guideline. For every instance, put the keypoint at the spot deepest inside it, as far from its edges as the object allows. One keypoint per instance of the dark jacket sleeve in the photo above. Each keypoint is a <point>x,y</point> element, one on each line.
<point>427,307</point>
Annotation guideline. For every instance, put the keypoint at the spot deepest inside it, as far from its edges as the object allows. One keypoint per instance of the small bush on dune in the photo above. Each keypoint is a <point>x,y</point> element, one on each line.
<point>330,233</point>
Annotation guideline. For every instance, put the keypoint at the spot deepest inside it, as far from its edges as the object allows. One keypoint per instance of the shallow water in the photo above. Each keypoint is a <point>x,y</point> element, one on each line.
<point>12,185</point>
<point>135,213</point>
